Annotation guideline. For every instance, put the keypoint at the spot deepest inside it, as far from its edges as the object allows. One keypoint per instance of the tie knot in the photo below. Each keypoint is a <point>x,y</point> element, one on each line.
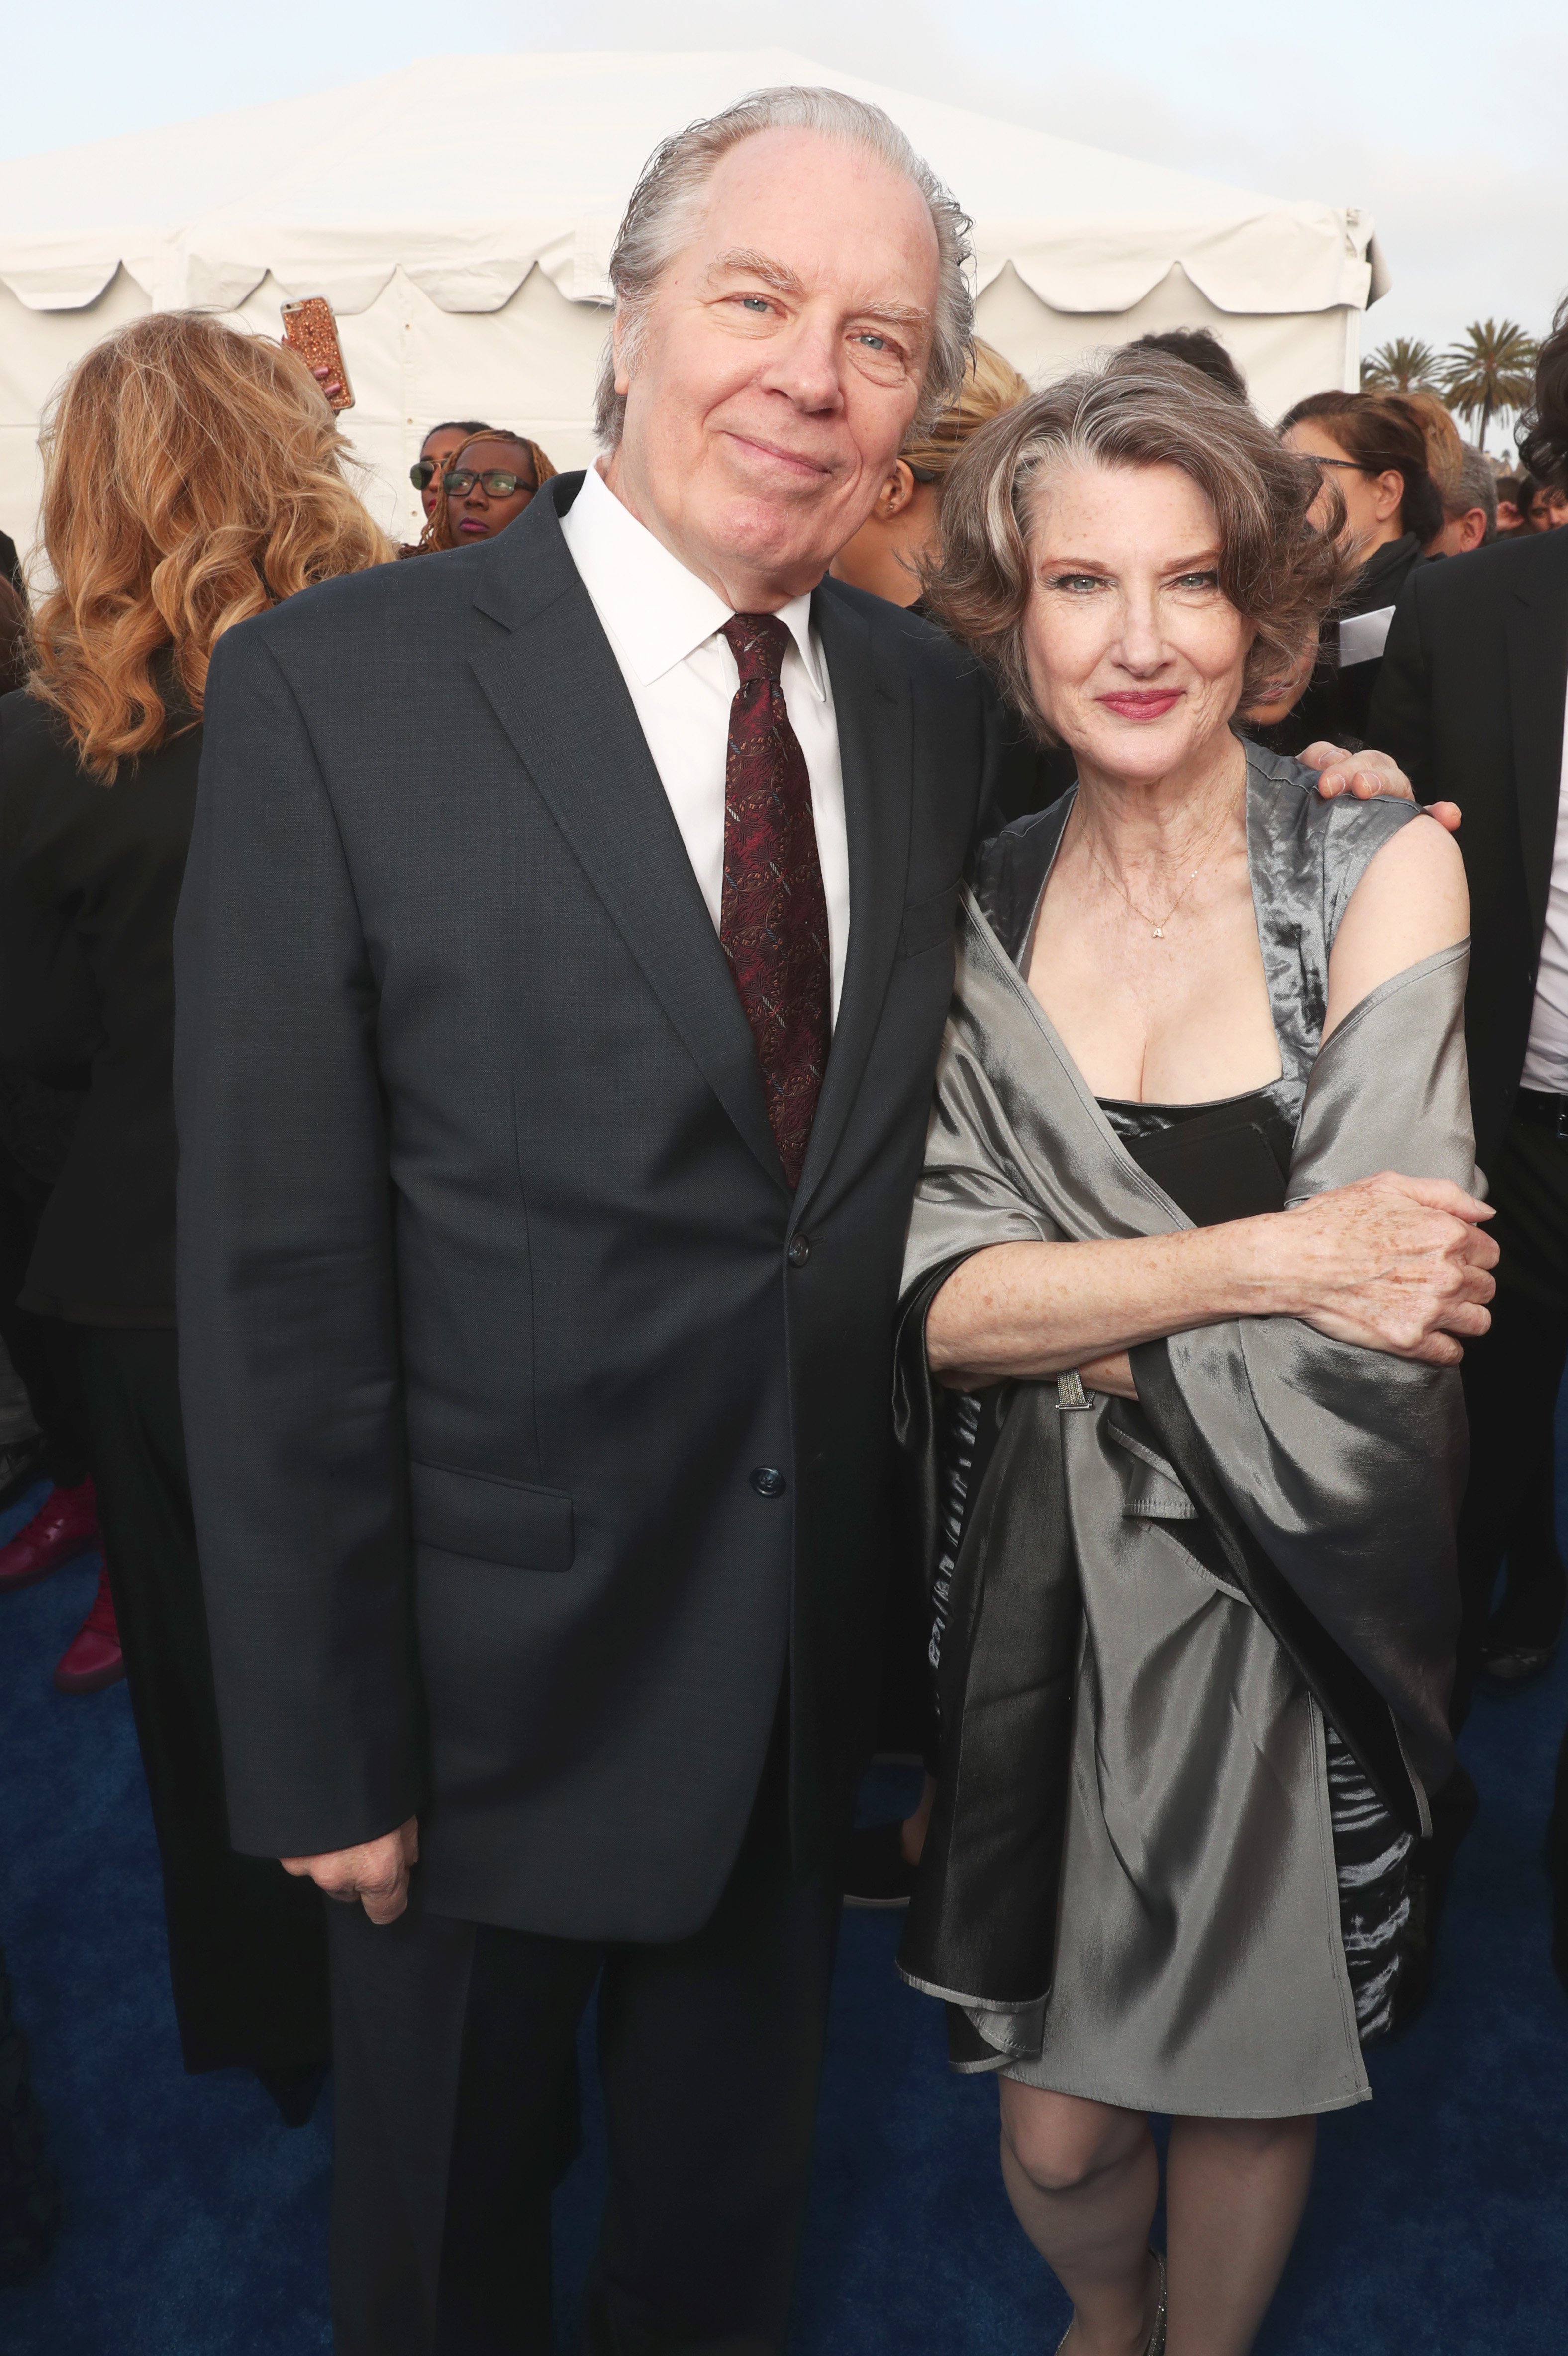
<point>757,642</point>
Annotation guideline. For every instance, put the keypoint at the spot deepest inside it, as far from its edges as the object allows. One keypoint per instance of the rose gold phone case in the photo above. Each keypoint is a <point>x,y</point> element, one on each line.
<point>310,329</point>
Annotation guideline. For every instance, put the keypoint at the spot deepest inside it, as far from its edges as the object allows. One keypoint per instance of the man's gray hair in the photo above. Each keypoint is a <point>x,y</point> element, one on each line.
<point>1478,488</point>
<point>661,219</point>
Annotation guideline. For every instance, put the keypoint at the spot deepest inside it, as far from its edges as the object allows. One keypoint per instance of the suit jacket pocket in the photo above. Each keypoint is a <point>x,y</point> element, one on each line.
<point>495,1521</point>
<point>929,921</point>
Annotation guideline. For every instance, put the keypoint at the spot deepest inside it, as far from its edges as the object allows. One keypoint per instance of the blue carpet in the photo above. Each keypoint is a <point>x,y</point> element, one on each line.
<point>196,2224</point>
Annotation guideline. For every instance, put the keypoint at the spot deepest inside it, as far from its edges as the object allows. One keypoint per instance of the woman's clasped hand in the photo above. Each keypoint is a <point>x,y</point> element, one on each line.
<point>1392,1263</point>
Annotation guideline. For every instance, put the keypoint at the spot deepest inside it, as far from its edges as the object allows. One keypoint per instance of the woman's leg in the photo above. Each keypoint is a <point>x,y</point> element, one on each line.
<point>247,1946</point>
<point>1083,2181</point>
<point>1235,2190</point>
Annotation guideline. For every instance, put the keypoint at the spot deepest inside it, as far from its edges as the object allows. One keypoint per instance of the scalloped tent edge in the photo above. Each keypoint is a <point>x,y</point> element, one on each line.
<point>479,267</point>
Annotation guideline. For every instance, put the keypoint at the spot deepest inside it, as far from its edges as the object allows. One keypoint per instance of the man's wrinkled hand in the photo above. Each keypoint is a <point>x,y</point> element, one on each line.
<point>375,1875</point>
<point>1368,776</point>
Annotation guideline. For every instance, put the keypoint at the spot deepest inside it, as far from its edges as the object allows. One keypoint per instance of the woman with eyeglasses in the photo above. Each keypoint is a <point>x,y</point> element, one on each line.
<point>193,476</point>
<point>1375,451</point>
<point>436,453</point>
<point>488,485</point>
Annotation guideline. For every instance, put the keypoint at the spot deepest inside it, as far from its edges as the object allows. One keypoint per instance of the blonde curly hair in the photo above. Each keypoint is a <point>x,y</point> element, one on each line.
<point>193,476</point>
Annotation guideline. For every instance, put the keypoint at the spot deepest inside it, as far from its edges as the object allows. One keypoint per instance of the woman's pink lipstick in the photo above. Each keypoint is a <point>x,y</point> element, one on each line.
<point>1152,703</point>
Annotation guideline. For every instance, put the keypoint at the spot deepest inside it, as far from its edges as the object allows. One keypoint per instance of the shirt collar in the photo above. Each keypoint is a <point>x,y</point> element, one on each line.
<point>657,611</point>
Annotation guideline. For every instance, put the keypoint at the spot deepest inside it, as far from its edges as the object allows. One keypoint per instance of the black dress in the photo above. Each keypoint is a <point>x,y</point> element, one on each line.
<point>1230,1159</point>
<point>89,879</point>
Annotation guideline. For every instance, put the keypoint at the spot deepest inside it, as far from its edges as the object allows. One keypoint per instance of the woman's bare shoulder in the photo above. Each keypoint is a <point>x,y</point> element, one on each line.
<point>1411,901</point>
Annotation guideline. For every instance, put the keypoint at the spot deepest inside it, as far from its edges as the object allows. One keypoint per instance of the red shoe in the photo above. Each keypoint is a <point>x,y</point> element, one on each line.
<point>65,1525</point>
<point>92,1659</point>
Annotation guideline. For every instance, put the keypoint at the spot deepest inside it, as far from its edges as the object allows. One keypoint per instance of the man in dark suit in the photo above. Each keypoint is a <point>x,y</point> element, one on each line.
<point>565,951</point>
<point>1471,701</point>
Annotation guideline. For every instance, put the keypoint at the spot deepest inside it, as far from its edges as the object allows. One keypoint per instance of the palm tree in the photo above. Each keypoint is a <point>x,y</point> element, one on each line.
<point>1405,365</point>
<point>1491,367</point>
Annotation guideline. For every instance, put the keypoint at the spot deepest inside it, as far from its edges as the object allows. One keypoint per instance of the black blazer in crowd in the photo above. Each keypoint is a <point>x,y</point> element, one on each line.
<point>535,1431</point>
<point>1470,702</point>
<point>90,878</point>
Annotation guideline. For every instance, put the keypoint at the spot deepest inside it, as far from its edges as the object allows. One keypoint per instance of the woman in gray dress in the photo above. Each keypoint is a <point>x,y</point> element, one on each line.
<point>1191,1263</point>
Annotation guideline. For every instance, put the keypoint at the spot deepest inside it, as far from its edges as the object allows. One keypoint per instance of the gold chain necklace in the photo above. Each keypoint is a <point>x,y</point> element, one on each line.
<point>1158,929</point>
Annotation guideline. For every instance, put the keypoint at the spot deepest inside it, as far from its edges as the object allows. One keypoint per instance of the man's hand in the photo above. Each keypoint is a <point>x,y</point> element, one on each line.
<point>376,1873</point>
<point>1366,775</point>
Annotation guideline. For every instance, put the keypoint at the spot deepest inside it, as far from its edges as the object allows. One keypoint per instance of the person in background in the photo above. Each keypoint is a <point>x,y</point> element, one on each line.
<point>885,556</point>
<point>1471,700</point>
<point>1372,451</point>
<point>38,1119</point>
<point>490,483</point>
<point>436,452</point>
<point>13,635</point>
<point>902,531</point>
<point>21,1441</point>
<point>192,475</point>
<point>29,2188</point>
<point>1201,349</point>
<point>1544,507</point>
<point>1511,503</point>
<point>1469,508</point>
<point>11,566</point>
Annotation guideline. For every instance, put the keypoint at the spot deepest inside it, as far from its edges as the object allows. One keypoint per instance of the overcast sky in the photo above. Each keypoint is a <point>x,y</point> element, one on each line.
<point>1448,123</point>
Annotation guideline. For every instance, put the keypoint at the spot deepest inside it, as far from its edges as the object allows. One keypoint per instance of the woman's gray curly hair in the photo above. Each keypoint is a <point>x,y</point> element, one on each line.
<point>662,217</point>
<point>1138,409</point>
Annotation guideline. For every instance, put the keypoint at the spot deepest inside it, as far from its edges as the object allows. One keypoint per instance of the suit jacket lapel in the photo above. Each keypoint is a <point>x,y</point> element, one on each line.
<point>872,708</point>
<point>1538,681</point>
<point>557,689</point>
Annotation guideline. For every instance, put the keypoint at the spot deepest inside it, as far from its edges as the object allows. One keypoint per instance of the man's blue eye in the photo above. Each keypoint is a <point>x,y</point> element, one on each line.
<point>755,302</point>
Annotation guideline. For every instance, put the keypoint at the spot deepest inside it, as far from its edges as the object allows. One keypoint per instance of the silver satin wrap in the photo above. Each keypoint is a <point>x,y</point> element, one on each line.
<point>1197,1966</point>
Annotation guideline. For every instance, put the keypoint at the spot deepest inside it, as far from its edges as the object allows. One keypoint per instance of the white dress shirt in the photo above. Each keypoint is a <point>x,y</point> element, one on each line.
<point>664,625</point>
<point>1546,1054</point>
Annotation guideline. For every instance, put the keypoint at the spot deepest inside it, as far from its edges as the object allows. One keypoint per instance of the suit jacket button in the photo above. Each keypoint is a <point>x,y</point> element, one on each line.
<point>768,1482</point>
<point>800,1250</point>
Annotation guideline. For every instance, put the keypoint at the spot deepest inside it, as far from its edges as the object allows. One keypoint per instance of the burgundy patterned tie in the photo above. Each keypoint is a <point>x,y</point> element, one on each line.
<point>773,919</point>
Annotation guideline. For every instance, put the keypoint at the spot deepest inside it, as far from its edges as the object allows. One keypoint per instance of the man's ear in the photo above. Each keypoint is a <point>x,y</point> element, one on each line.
<point>620,340</point>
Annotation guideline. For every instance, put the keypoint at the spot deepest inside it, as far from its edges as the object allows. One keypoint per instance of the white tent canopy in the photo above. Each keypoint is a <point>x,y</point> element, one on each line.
<point>459,216</point>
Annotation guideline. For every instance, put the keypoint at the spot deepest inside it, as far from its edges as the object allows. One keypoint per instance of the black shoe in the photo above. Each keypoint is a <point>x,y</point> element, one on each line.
<point>1521,1642</point>
<point>877,1872</point>
<point>1516,1665</point>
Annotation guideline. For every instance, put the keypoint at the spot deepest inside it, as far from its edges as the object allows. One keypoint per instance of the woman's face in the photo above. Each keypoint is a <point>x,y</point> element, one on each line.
<point>478,514</point>
<point>1135,654</point>
<point>1372,502</point>
<point>441,445</point>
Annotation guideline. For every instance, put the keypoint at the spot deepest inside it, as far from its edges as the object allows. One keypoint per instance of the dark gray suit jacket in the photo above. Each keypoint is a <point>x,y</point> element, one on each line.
<point>497,1318</point>
<point>1470,702</point>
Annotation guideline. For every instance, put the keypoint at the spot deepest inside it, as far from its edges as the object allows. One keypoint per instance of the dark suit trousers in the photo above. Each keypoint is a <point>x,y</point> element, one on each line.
<point>455,2047</point>
<point>247,1952</point>
<point>1511,1381</point>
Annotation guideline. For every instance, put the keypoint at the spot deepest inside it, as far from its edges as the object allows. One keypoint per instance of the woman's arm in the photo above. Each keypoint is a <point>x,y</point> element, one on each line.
<point>1394,1263</point>
<point>1410,902</point>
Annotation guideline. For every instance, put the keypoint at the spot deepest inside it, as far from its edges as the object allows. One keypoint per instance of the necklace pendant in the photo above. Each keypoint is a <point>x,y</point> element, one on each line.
<point>1159,932</point>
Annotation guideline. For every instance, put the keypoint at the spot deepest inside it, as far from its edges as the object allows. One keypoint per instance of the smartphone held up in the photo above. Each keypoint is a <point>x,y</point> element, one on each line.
<point>310,328</point>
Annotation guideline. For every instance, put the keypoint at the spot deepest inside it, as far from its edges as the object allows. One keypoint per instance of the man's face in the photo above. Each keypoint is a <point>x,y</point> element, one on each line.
<point>780,365</point>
